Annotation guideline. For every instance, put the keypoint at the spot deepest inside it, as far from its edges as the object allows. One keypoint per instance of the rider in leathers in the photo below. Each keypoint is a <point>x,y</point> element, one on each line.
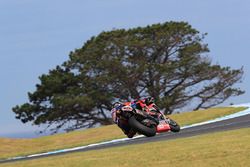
<point>145,104</point>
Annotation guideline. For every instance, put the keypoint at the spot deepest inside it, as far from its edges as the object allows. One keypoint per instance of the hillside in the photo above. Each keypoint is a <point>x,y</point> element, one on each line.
<point>18,147</point>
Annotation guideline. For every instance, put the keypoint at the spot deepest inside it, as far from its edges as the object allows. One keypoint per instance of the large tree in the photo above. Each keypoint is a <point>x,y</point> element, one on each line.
<point>168,61</point>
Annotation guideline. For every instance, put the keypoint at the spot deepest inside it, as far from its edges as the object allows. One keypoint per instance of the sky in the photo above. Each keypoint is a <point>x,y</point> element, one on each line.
<point>35,36</point>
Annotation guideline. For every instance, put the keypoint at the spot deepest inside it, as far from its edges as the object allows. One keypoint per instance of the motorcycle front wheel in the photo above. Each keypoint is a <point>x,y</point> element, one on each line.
<point>174,127</point>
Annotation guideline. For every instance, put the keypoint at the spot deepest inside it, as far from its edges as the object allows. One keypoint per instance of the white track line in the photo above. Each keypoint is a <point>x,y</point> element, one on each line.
<point>238,114</point>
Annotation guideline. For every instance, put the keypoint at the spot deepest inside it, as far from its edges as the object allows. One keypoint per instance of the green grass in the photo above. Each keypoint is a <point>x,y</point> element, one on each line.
<point>225,149</point>
<point>189,118</point>
<point>18,147</point>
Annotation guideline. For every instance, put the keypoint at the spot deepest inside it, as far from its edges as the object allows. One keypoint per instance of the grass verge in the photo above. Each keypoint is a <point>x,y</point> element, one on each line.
<point>230,148</point>
<point>19,147</point>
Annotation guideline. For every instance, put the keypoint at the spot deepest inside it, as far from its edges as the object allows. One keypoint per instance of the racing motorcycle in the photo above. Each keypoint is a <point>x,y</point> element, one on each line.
<point>148,122</point>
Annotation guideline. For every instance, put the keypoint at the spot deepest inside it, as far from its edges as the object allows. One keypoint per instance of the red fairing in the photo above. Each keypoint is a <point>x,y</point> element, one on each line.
<point>163,127</point>
<point>142,103</point>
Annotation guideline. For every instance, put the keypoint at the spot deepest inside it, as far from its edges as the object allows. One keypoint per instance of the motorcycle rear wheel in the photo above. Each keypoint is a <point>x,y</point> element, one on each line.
<point>140,128</point>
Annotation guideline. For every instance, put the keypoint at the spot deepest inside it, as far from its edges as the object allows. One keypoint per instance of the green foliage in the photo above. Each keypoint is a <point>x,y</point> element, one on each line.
<point>168,61</point>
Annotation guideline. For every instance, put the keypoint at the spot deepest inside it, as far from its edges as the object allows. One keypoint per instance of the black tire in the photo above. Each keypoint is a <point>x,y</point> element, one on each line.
<point>174,127</point>
<point>140,128</point>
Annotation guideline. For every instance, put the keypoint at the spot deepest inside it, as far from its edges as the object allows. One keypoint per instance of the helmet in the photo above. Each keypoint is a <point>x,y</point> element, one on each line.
<point>149,100</point>
<point>116,104</point>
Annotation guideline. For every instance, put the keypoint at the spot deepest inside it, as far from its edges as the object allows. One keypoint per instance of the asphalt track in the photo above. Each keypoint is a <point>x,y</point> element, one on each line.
<point>230,124</point>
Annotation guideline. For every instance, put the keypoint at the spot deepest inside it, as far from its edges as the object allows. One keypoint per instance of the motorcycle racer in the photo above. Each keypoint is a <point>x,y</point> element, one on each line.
<point>121,123</point>
<point>146,105</point>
